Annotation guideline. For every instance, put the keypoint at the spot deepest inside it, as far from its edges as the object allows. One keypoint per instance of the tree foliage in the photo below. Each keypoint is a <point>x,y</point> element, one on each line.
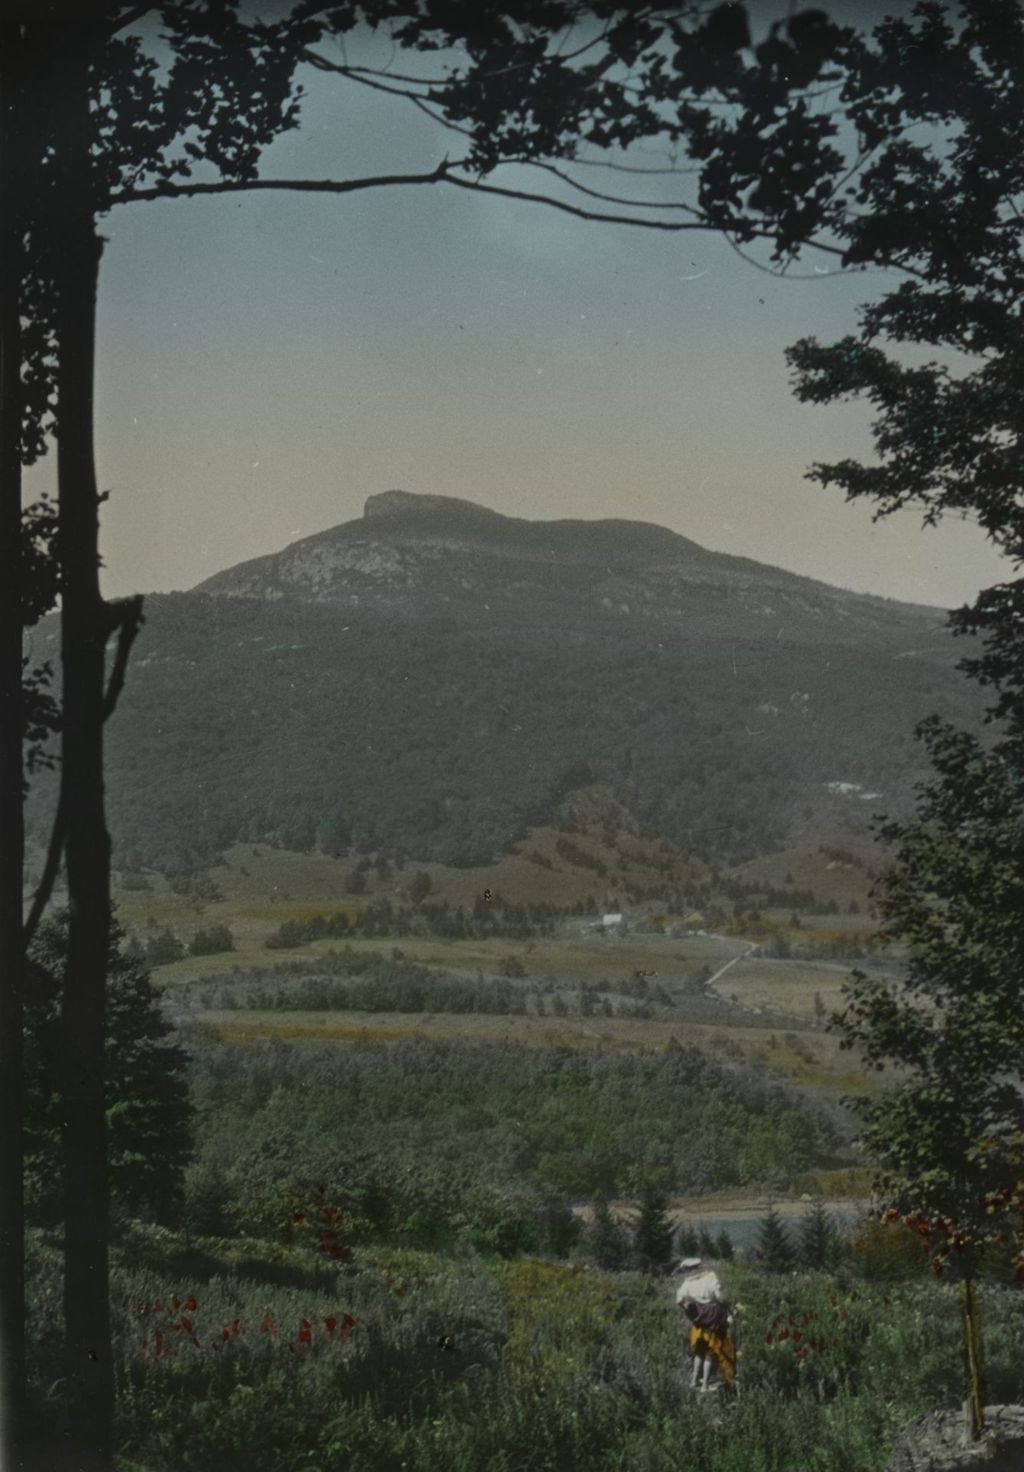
<point>654,1233</point>
<point>149,1114</point>
<point>946,1133</point>
<point>774,1242</point>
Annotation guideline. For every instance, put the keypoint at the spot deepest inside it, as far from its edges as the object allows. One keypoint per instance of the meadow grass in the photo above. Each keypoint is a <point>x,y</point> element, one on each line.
<point>471,1362</point>
<point>786,986</point>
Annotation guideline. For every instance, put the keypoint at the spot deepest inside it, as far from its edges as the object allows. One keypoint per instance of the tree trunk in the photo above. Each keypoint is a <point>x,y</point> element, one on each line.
<point>12,830</point>
<point>973,1354</point>
<point>85,628</point>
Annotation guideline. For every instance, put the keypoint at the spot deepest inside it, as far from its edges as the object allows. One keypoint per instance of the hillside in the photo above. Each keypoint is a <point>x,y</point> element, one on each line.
<point>434,678</point>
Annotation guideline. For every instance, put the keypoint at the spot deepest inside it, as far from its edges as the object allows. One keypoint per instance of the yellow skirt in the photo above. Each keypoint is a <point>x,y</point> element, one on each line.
<point>721,1349</point>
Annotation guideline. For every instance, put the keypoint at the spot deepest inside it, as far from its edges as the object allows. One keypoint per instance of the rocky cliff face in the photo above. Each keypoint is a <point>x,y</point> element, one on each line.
<point>422,555</point>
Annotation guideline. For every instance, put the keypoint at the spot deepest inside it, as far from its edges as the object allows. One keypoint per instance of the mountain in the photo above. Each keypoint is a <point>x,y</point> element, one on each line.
<point>415,556</point>
<point>434,677</point>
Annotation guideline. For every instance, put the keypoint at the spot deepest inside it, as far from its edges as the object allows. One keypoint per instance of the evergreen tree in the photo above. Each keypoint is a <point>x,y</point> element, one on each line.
<point>653,1234</point>
<point>774,1243</point>
<point>819,1241</point>
<point>163,948</point>
<point>725,1248</point>
<point>606,1240</point>
<point>148,1109</point>
<point>689,1242</point>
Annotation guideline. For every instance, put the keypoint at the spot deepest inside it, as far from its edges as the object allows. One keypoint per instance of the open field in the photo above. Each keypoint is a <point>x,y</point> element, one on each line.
<point>257,888</point>
<point>571,956</point>
<point>785,986</point>
<point>810,1061</point>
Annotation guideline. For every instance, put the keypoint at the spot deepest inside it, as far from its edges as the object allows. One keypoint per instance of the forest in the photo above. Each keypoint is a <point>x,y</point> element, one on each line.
<point>471,736</point>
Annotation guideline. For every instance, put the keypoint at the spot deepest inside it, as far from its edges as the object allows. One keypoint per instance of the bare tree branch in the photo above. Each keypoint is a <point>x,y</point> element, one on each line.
<point>122,23</point>
<point>51,868</point>
<point>640,204</point>
<point>308,186</point>
<point>362,75</point>
<point>571,209</point>
<point>129,619</point>
<point>443,174</point>
<point>602,163</point>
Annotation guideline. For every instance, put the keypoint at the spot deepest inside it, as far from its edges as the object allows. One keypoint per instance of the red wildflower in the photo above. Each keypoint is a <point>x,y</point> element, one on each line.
<point>770,1339</point>
<point>348,1323</point>
<point>195,1341</point>
<point>190,1303</point>
<point>298,1217</point>
<point>330,1324</point>
<point>796,1335</point>
<point>267,1326</point>
<point>225,1333</point>
<point>177,1301</point>
<point>186,1324</point>
<point>305,1333</point>
<point>783,1334</point>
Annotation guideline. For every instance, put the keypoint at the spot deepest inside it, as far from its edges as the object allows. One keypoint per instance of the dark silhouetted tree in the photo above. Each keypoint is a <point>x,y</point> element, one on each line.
<point>148,1108</point>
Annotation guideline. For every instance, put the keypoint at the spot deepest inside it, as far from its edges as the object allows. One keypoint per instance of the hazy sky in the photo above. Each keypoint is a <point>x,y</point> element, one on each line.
<point>266,362</point>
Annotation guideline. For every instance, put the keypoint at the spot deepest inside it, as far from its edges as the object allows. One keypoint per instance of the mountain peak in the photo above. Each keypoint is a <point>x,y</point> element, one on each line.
<point>419,555</point>
<point>407,505</point>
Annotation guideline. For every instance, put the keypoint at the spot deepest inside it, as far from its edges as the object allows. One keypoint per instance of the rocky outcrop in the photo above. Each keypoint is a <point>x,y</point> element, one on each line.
<point>938,1443</point>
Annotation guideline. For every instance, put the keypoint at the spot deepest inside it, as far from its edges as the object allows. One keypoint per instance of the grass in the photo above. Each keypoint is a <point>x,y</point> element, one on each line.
<point>785,986</point>
<point>522,1366</point>
<point>575,958</point>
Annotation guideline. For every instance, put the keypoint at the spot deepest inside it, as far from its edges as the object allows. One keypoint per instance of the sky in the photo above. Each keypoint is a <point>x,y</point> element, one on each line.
<point>266,362</point>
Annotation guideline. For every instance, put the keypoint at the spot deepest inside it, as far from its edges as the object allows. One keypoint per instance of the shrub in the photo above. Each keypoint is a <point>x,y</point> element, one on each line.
<point>163,949</point>
<point>211,942</point>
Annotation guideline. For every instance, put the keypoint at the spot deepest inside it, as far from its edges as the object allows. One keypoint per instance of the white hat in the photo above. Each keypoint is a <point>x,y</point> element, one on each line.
<point>689,1263</point>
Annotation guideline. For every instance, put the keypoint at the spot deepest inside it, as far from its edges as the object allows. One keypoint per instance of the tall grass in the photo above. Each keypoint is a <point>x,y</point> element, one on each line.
<point>463,1363</point>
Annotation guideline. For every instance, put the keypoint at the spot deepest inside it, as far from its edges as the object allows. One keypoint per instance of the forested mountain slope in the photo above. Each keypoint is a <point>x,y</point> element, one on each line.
<point>434,677</point>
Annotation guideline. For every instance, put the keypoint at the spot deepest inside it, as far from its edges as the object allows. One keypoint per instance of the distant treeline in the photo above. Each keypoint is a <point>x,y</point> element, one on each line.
<point>375,984</point>
<point>351,981</point>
